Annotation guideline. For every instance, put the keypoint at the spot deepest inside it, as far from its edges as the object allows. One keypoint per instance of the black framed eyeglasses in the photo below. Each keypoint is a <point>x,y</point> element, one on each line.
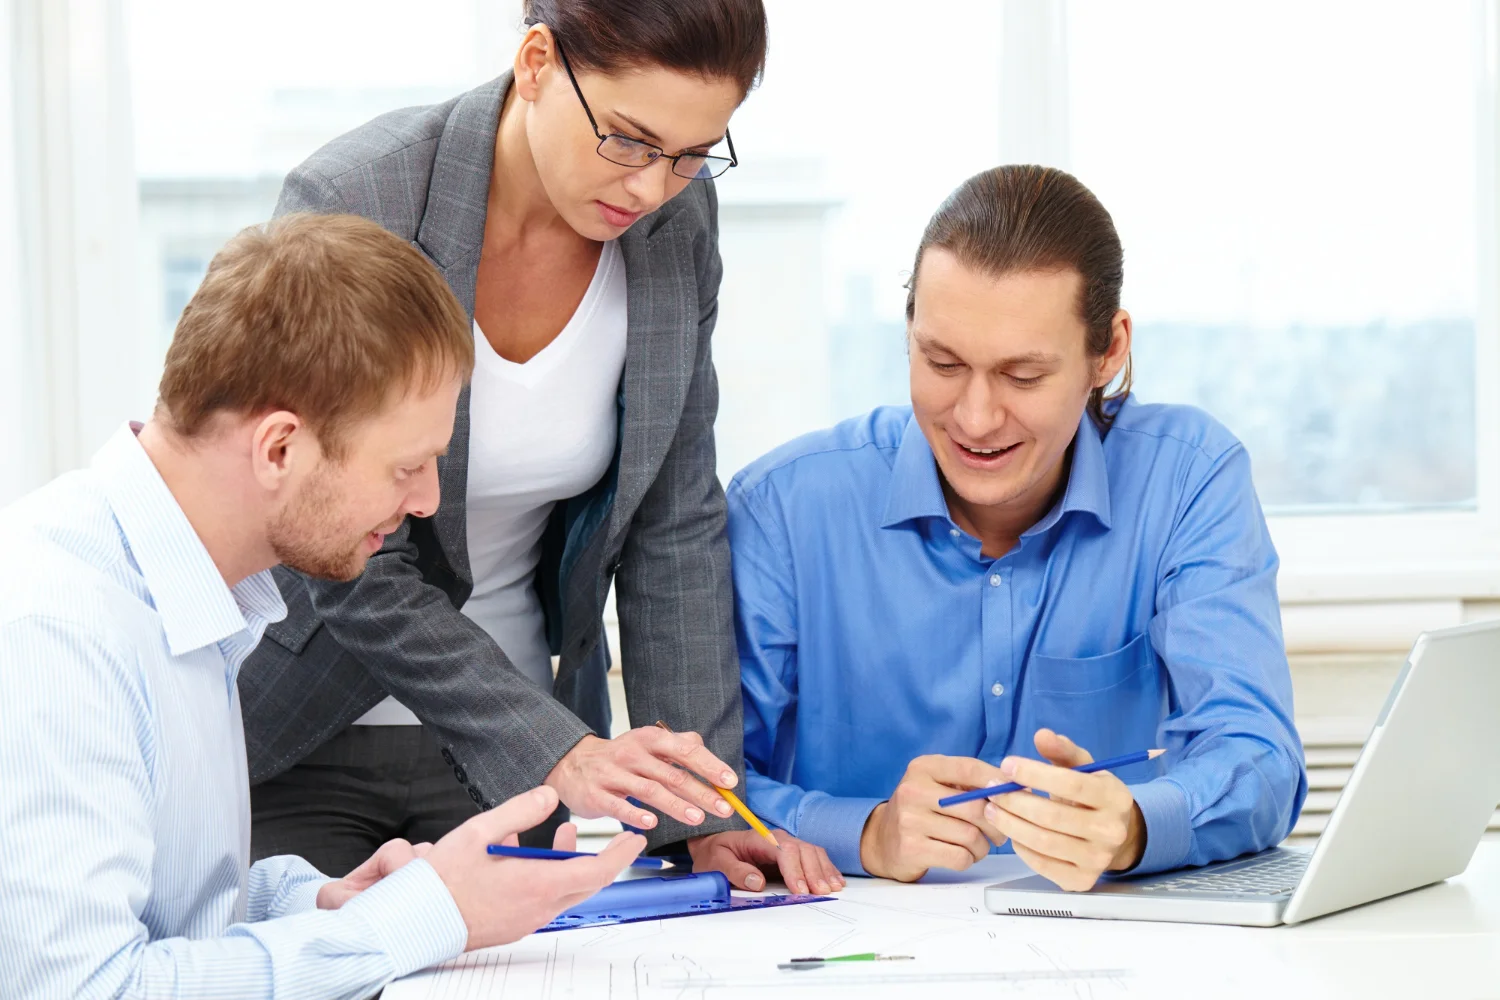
<point>628,152</point>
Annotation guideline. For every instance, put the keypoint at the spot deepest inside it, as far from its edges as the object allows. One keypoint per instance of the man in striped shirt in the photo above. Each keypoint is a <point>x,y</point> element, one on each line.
<point>309,388</point>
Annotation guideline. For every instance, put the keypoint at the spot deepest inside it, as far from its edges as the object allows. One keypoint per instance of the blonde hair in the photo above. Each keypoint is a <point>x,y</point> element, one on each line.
<point>327,316</point>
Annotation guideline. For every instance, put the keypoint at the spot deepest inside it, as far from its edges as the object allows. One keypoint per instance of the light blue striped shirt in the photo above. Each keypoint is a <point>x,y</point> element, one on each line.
<point>124,802</point>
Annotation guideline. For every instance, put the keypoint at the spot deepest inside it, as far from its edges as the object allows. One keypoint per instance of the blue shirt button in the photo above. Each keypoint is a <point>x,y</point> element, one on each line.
<point>997,690</point>
<point>994,579</point>
<point>954,532</point>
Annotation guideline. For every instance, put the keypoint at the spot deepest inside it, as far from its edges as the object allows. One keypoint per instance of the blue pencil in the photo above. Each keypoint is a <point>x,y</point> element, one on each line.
<point>1123,760</point>
<point>547,854</point>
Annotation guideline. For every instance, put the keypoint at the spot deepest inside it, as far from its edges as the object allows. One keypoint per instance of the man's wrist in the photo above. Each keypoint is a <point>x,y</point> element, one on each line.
<point>1134,848</point>
<point>868,855</point>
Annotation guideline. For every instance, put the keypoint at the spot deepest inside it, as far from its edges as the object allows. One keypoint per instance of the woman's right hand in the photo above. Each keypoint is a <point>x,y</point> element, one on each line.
<point>647,764</point>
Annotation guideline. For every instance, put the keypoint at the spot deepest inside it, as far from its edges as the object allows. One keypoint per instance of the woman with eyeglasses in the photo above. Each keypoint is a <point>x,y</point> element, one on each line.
<point>570,204</point>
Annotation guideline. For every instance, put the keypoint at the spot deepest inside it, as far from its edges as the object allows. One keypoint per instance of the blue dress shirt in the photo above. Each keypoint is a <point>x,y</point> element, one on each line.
<point>1139,612</point>
<point>124,806</point>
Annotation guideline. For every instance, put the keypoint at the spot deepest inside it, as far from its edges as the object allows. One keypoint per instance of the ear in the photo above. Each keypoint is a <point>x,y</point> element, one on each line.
<point>280,445</point>
<point>1110,363</point>
<point>533,58</point>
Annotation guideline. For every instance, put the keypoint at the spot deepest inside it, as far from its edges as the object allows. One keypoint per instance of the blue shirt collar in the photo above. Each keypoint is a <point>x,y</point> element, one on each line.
<point>916,492</point>
<point>196,607</point>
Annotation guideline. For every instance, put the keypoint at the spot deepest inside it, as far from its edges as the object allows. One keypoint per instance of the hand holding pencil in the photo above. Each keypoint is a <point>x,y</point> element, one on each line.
<point>639,771</point>
<point>742,854</point>
<point>735,804</point>
<point>1088,823</point>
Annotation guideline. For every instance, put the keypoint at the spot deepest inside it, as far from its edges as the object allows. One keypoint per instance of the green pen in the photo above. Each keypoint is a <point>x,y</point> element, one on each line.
<point>818,963</point>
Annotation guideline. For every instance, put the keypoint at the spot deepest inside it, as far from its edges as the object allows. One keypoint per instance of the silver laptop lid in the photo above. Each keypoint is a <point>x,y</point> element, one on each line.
<point>1425,784</point>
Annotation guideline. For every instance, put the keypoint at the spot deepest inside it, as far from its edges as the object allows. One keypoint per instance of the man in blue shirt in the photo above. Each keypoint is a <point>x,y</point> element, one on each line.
<point>928,598</point>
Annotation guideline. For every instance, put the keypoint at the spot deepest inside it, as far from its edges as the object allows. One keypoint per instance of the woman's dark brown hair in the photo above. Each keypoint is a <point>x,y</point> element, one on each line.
<point>717,39</point>
<point>1025,218</point>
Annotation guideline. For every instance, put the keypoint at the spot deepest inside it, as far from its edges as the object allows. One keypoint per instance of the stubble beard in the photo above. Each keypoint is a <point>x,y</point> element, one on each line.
<point>302,537</point>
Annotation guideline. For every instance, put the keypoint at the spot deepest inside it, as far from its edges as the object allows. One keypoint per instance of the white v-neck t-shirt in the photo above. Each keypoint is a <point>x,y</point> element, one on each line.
<point>539,432</point>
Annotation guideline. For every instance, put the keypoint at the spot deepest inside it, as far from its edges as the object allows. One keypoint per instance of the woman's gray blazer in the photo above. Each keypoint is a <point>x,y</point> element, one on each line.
<point>654,523</point>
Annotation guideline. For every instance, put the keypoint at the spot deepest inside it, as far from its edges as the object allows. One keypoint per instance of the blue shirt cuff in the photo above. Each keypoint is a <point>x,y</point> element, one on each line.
<point>413,916</point>
<point>836,825</point>
<point>1169,828</point>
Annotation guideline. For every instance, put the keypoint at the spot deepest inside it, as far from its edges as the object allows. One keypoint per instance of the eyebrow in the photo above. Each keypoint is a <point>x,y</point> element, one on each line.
<point>646,131</point>
<point>1029,358</point>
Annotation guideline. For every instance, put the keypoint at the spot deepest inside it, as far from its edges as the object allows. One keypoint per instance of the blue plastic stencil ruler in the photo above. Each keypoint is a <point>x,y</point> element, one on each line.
<point>668,896</point>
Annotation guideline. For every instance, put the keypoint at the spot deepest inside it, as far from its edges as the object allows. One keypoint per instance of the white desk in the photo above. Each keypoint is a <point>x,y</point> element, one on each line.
<point>1440,942</point>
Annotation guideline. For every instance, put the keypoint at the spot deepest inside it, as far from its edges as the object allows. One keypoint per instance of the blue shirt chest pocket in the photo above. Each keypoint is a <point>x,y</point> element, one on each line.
<point>1109,705</point>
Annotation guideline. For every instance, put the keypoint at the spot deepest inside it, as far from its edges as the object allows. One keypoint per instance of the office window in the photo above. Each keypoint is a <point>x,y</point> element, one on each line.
<point>818,225</point>
<point>181,276</point>
<point>864,123</point>
<point>1295,185</point>
<point>227,97</point>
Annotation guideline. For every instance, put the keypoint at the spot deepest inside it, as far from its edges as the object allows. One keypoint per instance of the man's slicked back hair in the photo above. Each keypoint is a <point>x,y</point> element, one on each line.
<point>1019,218</point>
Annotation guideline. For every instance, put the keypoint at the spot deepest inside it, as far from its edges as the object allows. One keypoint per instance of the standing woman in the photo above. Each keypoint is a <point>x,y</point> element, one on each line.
<point>570,205</point>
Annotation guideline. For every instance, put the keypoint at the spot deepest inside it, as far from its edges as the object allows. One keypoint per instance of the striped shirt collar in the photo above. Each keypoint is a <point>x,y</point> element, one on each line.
<point>196,607</point>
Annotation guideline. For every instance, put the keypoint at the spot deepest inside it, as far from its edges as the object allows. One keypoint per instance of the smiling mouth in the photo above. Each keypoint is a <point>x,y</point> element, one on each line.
<point>987,452</point>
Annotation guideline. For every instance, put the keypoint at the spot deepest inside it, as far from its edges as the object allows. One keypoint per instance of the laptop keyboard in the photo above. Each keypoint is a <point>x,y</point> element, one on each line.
<point>1271,876</point>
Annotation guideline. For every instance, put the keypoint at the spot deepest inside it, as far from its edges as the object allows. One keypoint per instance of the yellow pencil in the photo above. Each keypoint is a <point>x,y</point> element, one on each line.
<point>747,815</point>
<point>739,807</point>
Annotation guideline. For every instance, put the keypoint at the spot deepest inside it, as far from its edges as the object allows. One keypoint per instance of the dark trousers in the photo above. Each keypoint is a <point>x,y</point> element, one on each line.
<point>367,785</point>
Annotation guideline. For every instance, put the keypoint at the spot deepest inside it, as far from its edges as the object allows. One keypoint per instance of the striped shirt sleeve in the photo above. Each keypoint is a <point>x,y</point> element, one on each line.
<point>281,886</point>
<point>78,861</point>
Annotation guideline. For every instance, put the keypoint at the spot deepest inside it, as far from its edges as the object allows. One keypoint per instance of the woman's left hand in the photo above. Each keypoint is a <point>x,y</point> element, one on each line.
<point>743,855</point>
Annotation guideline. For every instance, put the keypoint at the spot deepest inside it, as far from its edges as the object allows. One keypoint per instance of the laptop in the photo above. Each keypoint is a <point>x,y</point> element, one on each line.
<point>1414,808</point>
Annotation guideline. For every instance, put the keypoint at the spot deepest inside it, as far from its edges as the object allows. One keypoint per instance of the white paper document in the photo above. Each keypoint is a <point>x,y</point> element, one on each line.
<point>736,954</point>
<point>956,947</point>
<point>1441,938</point>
